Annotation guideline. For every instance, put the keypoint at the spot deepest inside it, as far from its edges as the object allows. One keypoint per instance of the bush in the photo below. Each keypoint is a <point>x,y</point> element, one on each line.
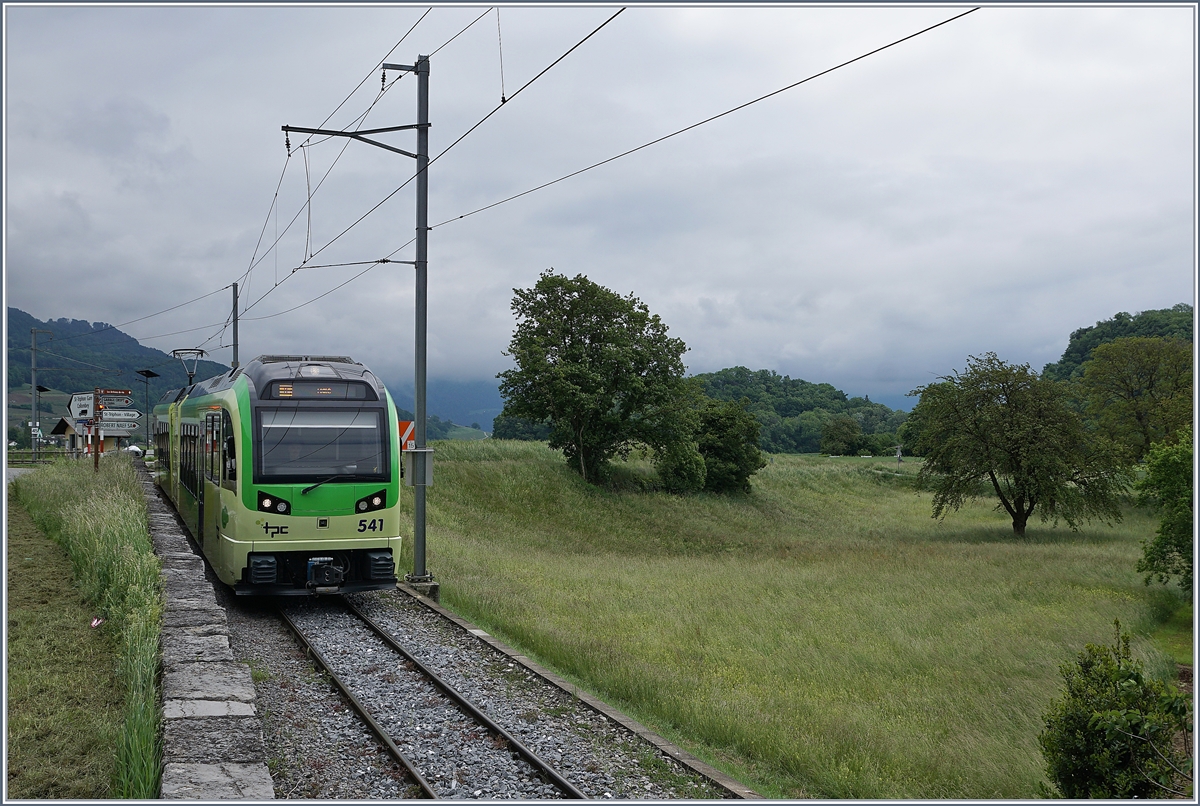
<point>728,442</point>
<point>1168,485</point>
<point>1112,734</point>
<point>508,427</point>
<point>680,468</point>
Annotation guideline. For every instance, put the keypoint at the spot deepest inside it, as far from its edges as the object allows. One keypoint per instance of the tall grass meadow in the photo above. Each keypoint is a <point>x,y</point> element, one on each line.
<point>99,518</point>
<point>822,636</point>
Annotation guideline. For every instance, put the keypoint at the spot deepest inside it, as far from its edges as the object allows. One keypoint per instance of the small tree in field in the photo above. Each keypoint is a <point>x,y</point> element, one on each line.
<point>1168,485</point>
<point>599,368</point>
<point>1000,425</point>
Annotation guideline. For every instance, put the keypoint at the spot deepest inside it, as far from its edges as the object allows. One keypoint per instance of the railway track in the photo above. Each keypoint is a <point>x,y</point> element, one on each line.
<point>450,747</point>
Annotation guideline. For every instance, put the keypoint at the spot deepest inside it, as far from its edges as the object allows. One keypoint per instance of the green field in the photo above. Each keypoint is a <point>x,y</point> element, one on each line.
<point>821,637</point>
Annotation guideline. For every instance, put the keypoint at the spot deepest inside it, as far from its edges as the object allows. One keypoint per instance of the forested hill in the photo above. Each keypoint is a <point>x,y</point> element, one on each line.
<point>793,412</point>
<point>1175,322</point>
<point>78,356</point>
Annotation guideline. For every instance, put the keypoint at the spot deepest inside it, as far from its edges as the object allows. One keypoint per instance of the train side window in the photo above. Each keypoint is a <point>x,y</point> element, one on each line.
<point>228,453</point>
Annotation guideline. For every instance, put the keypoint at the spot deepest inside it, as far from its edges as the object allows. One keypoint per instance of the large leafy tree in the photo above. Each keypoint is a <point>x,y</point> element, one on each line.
<point>999,425</point>
<point>1138,390</point>
<point>599,367</point>
<point>1168,485</point>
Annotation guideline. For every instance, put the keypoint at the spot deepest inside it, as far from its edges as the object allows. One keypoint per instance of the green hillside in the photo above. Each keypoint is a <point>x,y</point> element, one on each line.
<point>79,356</point>
<point>793,412</point>
<point>1175,322</point>
<point>822,636</point>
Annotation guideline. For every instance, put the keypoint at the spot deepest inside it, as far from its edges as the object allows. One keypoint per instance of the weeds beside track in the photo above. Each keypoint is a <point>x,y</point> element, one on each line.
<point>99,518</point>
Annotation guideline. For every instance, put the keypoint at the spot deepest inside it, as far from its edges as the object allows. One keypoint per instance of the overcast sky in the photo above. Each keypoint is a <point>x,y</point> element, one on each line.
<point>992,184</point>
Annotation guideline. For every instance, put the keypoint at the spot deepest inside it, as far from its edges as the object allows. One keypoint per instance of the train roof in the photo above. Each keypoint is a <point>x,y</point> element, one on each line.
<point>263,369</point>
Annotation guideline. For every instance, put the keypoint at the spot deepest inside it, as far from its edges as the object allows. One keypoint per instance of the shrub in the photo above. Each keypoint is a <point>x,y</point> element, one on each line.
<point>1168,485</point>
<point>681,468</point>
<point>728,442</point>
<point>1112,734</point>
<point>507,427</point>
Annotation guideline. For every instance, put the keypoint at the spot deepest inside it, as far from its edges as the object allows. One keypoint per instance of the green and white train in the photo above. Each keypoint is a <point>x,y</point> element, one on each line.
<point>287,473</point>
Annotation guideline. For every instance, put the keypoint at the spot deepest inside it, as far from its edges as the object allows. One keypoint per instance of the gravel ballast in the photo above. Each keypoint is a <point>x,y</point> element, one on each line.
<point>318,748</point>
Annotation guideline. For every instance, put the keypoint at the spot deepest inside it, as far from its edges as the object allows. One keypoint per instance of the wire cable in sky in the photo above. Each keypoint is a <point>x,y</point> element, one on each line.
<point>358,123</point>
<point>702,122</point>
<point>604,162</point>
<point>442,153</point>
<point>139,319</point>
<point>457,35</point>
<point>68,358</point>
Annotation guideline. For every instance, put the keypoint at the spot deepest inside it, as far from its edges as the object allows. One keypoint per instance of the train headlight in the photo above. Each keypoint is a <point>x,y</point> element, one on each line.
<point>273,504</point>
<point>371,502</point>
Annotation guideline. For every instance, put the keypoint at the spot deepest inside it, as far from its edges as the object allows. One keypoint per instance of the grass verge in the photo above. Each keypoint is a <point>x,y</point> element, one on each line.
<point>99,519</point>
<point>64,705</point>
<point>822,636</point>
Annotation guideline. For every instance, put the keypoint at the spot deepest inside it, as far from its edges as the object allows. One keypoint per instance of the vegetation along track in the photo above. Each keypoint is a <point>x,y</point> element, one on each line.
<point>526,739</point>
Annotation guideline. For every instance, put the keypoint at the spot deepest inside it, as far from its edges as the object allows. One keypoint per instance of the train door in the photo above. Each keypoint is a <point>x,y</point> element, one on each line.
<point>226,472</point>
<point>210,480</point>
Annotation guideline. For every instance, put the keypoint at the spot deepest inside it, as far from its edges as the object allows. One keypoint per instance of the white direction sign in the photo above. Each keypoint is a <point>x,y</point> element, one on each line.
<point>115,400</point>
<point>126,425</point>
<point>81,405</point>
<point>111,415</point>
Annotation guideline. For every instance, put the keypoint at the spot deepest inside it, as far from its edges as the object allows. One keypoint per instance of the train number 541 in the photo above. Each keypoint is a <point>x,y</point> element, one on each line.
<point>373,525</point>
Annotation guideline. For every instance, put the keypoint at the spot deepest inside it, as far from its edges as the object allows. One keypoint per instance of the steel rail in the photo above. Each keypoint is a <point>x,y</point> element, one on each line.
<point>465,704</point>
<point>360,708</point>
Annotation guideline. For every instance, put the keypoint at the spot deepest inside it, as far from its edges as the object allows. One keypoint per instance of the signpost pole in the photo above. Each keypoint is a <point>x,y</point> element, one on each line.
<point>95,429</point>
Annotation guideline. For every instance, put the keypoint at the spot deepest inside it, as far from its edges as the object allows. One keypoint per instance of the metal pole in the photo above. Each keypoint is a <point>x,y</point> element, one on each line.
<point>33,382</point>
<point>420,574</point>
<point>33,429</point>
<point>235,338</point>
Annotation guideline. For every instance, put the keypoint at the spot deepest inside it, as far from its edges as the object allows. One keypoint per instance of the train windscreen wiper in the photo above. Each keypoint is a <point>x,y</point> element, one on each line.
<point>341,477</point>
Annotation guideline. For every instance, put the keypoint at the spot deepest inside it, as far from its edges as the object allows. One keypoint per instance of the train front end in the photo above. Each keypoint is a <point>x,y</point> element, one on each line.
<point>321,509</point>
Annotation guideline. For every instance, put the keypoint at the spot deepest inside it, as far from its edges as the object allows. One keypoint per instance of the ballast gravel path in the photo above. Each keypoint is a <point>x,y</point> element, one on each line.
<point>317,748</point>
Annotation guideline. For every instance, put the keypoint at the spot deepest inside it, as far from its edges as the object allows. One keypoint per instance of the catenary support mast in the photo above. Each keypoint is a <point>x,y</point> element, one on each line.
<point>421,463</point>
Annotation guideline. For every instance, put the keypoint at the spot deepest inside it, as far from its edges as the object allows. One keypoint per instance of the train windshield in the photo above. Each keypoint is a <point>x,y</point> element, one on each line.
<point>303,444</point>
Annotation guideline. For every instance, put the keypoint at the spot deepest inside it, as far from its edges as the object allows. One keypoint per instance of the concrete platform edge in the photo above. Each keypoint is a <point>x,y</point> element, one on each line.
<point>208,695</point>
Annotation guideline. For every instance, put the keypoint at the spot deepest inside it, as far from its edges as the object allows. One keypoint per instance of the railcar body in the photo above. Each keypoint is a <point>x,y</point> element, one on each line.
<point>287,473</point>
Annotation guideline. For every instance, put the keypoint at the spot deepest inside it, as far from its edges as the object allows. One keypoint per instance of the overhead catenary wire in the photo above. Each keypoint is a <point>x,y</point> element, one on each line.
<point>602,162</point>
<point>358,122</point>
<point>701,123</point>
<point>463,136</point>
<point>141,318</point>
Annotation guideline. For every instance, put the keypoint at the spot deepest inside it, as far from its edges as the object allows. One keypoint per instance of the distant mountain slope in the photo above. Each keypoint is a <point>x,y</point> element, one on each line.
<point>79,356</point>
<point>1168,322</point>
